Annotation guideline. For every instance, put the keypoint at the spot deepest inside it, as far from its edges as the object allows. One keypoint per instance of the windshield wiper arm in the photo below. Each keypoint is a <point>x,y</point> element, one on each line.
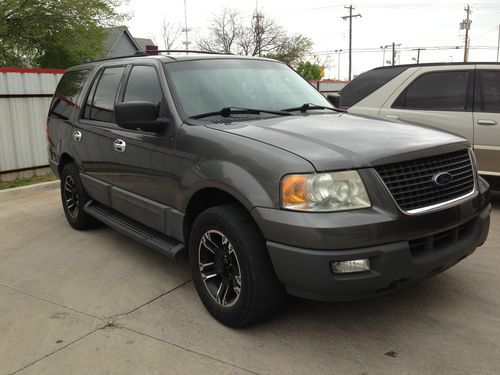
<point>307,106</point>
<point>228,111</point>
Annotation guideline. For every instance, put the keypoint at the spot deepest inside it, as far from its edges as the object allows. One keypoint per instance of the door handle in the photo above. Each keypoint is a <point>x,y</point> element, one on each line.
<point>394,117</point>
<point>119,145</point>
<point>486,122</point>
<point>77,135</point>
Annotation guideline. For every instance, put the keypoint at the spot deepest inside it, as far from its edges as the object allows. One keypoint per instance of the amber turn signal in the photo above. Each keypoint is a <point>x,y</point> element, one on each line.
<point>293,189</point>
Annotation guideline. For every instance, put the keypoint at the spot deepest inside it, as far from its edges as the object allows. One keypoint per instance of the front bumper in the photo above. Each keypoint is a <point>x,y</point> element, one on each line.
<point>402,249</point>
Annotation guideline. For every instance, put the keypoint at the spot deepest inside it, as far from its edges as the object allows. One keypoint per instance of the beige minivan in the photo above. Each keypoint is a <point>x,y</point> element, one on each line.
<point>462,98</point>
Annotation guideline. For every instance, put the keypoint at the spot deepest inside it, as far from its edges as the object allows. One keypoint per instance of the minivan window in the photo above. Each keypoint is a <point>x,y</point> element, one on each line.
<point>64,99</point>
<point>490,91</point>
<point>143,85</point>
<point>367,83</point>
<point>437,91</point>
<point>101,103</point>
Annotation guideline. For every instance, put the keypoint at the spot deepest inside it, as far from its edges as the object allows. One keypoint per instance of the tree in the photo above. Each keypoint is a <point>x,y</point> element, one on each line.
<point>310,71</point>
<point>54,33</point>
<point>170,33</point>
<point>259,36</point>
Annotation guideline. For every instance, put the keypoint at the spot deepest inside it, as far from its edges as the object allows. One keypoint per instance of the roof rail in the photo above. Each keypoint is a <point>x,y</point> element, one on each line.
<point>151,52</point>
<point>136,54</point>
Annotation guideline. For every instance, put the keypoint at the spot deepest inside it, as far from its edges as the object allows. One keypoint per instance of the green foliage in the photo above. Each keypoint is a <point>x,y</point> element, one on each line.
<point>54,33</point>
<point>292,49</point>
<point>310,71</point>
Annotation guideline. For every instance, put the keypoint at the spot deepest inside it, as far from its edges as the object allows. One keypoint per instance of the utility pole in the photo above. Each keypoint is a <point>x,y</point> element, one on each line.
<point>186,30</point>
<point>258,32</point>
<point>350,17</point>
<point>338,63</point>
<point>418,54</point>
<point>465,24</point>
<point>394,45</point>
<point>498,45</point>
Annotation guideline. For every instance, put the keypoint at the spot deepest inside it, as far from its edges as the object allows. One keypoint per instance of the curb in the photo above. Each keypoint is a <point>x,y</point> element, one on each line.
<point>29,189</point>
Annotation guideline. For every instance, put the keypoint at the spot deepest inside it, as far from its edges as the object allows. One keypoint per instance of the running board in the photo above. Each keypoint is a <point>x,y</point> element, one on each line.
<point>140,232</point>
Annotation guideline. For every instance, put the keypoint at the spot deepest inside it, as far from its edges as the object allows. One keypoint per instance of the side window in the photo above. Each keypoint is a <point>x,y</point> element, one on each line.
<point>101,100</point>
<point>67,91</point>
<point>439,91</point>
<point>490,91</point>
<point>143,85</point>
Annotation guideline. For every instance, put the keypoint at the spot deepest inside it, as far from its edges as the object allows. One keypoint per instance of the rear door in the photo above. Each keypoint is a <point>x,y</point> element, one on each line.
<point>487,119</point>
<point>437,96</point>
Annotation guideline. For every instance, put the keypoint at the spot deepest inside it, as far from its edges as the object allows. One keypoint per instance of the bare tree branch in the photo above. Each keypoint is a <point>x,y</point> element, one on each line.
<point>229,33</point>
<point>170,34</point>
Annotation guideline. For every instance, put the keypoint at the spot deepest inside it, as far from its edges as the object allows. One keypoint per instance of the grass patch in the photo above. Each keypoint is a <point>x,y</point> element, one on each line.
<point>26,181</point>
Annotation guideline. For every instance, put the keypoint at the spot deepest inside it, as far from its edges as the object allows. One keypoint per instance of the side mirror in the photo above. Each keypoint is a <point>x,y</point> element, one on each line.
<point>139,116</point>
<point>334,100</point>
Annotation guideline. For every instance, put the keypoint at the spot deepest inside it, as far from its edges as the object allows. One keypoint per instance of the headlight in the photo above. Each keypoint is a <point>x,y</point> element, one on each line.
<point>333,191</point>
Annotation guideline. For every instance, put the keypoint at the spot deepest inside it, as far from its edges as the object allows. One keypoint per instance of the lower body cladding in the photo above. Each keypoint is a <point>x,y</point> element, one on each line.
<point>415,248</point>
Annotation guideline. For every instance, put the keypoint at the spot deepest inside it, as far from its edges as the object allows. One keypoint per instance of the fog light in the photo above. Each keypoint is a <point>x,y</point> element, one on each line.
<point>351,266</point>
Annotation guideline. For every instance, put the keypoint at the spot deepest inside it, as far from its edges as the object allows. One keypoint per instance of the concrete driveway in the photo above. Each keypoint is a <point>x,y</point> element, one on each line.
<point>97,302</point>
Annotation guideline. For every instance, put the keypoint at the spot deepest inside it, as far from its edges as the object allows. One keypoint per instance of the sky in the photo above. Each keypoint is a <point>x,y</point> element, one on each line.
<point>430,25</point>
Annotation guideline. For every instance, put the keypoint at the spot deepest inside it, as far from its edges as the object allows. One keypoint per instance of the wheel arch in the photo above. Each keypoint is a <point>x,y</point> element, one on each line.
<point>206,198</point>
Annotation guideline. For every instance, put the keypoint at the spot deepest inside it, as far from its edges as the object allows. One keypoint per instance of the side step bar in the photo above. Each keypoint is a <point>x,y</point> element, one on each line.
<point>145,235</point>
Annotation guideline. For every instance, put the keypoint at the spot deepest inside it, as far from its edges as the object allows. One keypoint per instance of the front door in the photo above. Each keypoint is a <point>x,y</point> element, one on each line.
<point>487,120</point>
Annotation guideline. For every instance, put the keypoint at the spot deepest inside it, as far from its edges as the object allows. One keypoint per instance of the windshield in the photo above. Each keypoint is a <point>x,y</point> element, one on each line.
<point>204,86</point>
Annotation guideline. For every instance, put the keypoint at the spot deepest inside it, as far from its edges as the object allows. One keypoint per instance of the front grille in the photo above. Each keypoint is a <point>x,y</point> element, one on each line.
<point>441,240</point>
<point>411,182</point>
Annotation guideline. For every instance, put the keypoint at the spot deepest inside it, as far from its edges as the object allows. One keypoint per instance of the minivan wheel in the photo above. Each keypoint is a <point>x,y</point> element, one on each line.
<point>74,197</point>
<point>231,268</point>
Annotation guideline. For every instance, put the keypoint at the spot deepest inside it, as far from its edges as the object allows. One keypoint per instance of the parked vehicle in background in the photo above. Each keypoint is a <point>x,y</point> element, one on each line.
<point>242,165</point>
<point>460,98</point>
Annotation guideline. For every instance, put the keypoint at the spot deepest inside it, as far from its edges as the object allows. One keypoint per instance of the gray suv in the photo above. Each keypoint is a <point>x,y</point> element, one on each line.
<point>241,165</point>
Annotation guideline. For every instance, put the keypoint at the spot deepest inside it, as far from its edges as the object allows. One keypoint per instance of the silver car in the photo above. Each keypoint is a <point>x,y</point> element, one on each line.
<point>461,98</point>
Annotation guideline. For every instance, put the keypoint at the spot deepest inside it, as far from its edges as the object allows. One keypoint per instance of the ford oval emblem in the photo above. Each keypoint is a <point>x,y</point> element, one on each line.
<point>442,178</point>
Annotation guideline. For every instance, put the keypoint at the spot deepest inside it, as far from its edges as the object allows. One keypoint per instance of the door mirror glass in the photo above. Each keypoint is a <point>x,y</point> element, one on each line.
<point>139,116</point>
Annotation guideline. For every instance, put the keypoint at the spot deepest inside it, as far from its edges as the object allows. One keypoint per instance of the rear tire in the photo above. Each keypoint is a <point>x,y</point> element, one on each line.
<point>231,267</point>
<point>74,197</point>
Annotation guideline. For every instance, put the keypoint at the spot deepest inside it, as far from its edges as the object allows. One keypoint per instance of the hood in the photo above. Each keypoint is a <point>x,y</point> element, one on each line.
<point>344,141</point>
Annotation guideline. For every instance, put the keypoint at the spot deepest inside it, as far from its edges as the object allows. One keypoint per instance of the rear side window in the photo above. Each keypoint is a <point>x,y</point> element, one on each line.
<point>490,91</point>
<point>101,100</point>
<point>143,85</point>
<point>67,91</point>
<point>367,83</point>
<point>437,91</point>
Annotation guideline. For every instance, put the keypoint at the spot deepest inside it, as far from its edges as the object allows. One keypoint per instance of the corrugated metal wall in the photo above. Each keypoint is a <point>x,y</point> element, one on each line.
<point>329,86</point>
<point>25,95</point>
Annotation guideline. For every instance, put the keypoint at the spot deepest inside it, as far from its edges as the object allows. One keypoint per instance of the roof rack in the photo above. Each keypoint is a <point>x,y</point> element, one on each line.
<point>150,52</point>
<point>155,52</point>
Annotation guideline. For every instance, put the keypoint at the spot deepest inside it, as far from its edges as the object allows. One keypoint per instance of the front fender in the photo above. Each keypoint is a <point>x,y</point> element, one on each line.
<point>234,180</point>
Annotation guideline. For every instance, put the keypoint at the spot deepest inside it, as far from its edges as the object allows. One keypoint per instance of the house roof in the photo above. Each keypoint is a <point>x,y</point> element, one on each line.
<point>114,34</point>
<point>143,42</point>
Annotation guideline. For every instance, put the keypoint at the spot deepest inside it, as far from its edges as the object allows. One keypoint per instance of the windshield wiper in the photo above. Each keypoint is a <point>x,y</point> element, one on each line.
<point>307,106</point>
<point>228,111</point>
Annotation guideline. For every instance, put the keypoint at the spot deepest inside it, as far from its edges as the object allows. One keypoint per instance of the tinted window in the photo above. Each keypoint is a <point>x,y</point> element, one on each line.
<point>209,85</point>
<point>101,101</point>
<point>143,85</point>
<point>367,83</point>
<point>438,91</point>
<point>66,93</point>
<point>490,91</point>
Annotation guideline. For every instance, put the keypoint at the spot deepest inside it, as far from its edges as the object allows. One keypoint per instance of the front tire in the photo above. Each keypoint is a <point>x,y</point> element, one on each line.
<point>74,197</point>
<point>231,267</point>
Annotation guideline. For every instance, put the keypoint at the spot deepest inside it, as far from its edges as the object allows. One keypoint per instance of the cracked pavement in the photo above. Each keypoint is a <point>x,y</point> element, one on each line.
<point>95,302</point>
